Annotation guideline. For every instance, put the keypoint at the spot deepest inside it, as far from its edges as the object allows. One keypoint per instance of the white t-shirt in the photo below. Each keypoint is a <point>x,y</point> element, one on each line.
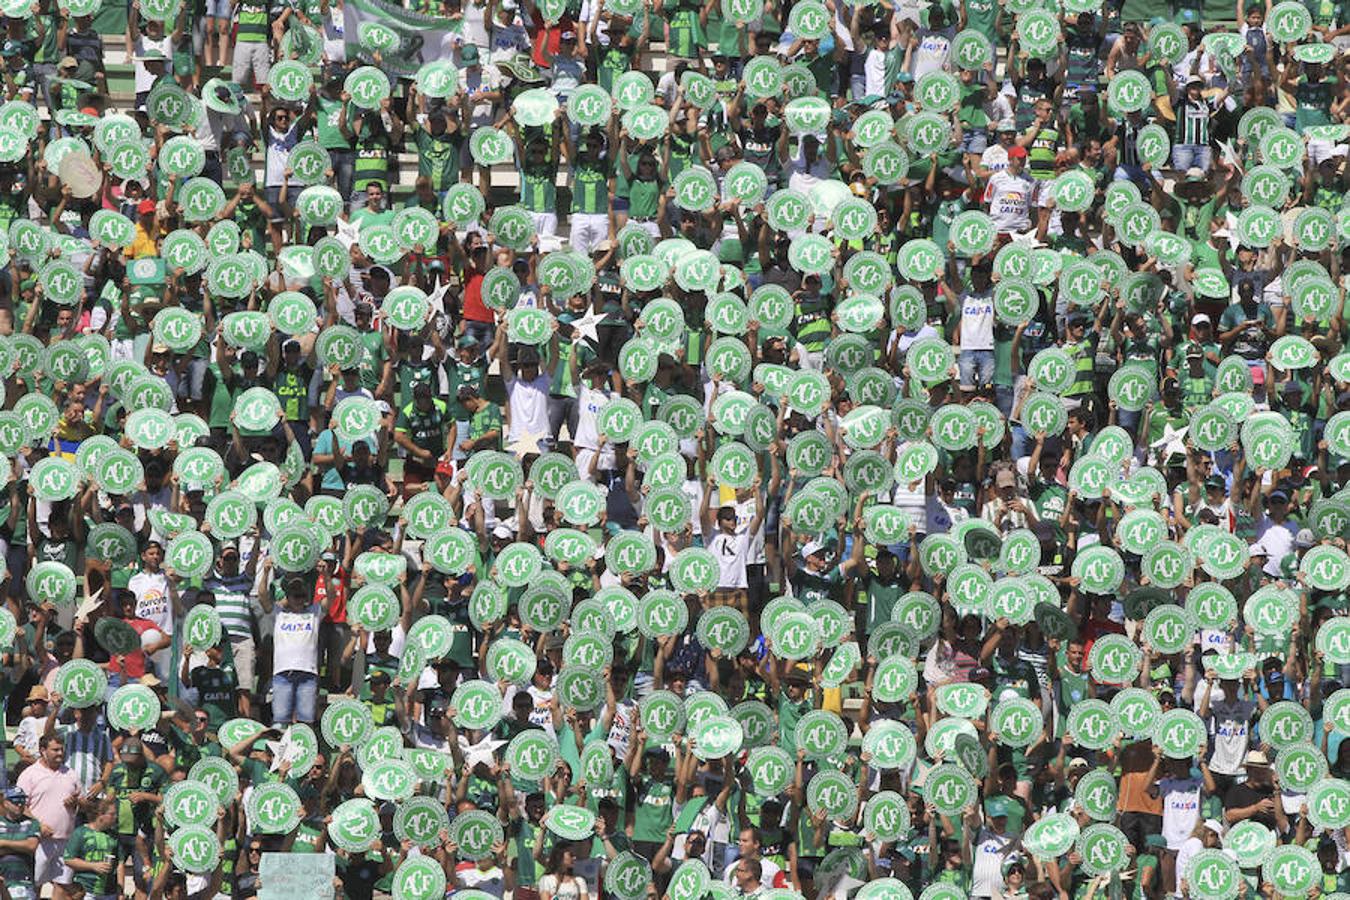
<point>932,52</point>
<point>874,73</point>
<point>745,511</point>
<point>802,177</point>
<point>143,43</point>
<point>295,638</point>
<point>528,406</point>
<point>1189,848</point>
<point>572,888</point>
<point>589,403</point>
<point>1278,539</point>
<point>731,551</point>
<point>1009,199</point>
<point>152,599</point>
<point>769,872</point>
<point>1181,809</point>
<point>977,320</point>
<point>995,158</point>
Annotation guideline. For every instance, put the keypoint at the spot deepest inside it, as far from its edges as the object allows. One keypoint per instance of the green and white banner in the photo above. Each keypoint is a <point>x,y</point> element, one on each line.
<point>421,39</point>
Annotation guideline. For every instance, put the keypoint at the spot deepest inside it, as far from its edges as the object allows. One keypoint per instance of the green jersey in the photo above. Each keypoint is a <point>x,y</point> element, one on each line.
<point>92,846</point>
<point>254,23</point>
<point>124,781</point>
<point>652,813</point>
<point>538,190</point>
<point>16,868</point>
<point>438,157</point>
<point>590,187</point>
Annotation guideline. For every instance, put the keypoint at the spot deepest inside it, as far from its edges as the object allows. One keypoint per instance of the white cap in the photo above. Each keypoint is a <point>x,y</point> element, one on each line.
<point>1200,319</point>
<point>1214,826</point>
<point>503,531</point>
<point>812,548</point>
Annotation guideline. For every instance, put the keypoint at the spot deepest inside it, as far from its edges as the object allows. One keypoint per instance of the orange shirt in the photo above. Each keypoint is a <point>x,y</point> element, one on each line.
<point>1134,796</point>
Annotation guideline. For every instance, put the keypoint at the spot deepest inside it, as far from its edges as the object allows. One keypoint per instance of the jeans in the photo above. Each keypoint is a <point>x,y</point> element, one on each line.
<point>1135,174</point>
<point>482,332</point>
<point>1186,156</point>
<point>295,695</point>
<point>976,368</point>
<point>344,170</point>
<point>562,410</point>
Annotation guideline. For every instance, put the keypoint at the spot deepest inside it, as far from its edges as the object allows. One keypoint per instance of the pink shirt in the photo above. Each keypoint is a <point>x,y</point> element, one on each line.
<point>47,791</point>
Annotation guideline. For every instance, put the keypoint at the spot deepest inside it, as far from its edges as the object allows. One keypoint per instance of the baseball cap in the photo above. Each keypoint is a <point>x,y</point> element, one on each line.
<point>1255,758</point>
<point>145,207</point>
<point>1278,496</point>
<point>1200,319</point>
<point>812,548</point>
<point>16,795</point>
<point>1195,173</point>
<point>468,54</point>
<point>503,531</point>
<point>131,747</point>
<point>1008,124</point>
<point>1216,482</point>
<point>996,807</point>
<point>1305,538</point>
<point>1017,153</point>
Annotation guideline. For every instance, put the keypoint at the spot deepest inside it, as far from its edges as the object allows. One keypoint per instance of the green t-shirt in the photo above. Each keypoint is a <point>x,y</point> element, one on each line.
<point>487,419</point>
<point>17,868</point>
<point>93,847</point>
<point>652,813</point>
<point>880,597</point>
<point>326,125</point>
<point>373,354</point>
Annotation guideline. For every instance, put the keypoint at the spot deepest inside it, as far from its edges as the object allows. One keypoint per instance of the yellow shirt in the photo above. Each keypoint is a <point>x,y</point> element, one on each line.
<point>142,244</point>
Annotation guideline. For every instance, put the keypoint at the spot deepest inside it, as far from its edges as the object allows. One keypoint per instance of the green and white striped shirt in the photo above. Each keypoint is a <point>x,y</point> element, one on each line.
<point>234,603</point>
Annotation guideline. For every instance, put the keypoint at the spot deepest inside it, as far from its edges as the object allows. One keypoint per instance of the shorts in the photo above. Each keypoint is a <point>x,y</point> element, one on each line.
<point>975,141</point>
<point>737,597</point>
<point>280,211</point>
<point>48,865</point>
<point>245,657</point>
<point>219,9</point>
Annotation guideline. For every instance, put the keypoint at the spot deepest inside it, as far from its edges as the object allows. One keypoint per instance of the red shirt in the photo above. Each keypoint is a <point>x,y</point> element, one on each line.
<point>330,592</point>
<point>544,35</point>
<point>474,309</point>
<point>132,665</point>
